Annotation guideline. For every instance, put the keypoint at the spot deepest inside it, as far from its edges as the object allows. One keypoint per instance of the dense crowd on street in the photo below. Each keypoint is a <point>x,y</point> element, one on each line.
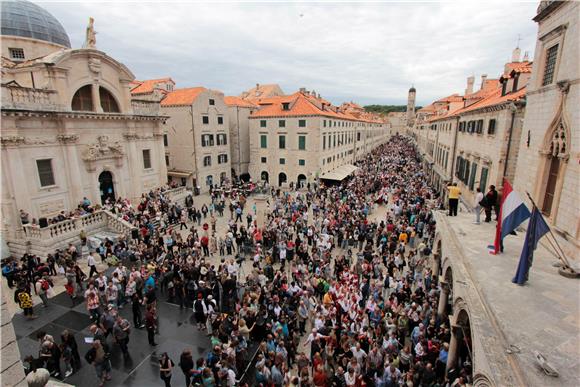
<point>336,294</point>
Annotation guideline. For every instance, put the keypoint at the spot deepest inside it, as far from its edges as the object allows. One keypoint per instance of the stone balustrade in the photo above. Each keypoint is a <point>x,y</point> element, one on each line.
<point>117,224</point>
<point>145,108</point>
<point>66,228</point>
<point>15,97</point>
<point>175,192</point>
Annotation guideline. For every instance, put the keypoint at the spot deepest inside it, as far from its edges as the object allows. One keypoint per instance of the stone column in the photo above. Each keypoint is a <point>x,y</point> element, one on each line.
<point>453,349</point>
<point>96,98</point>
<point>73,165</point>
<point>443,297</point>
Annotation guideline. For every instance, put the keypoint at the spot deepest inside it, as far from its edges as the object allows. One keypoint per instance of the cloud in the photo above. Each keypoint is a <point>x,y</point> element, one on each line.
<point>366,52</point>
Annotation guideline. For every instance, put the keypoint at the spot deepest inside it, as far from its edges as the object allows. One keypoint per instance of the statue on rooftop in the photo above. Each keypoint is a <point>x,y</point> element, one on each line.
<point>91,35</point>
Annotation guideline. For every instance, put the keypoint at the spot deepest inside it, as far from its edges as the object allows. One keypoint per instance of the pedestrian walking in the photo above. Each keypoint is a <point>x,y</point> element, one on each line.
<point>165,369</point>
<point>97,356</point>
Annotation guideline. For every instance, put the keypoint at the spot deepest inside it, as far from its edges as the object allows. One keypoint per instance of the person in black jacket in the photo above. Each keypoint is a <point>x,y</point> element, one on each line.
<point>186,365</point>
<point>70,344</point>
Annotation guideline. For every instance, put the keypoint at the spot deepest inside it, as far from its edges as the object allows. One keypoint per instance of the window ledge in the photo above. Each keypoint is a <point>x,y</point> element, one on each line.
<point>48,187</point>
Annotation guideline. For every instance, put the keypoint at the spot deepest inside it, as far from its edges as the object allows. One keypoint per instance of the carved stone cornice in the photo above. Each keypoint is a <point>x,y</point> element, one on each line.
<point>68,138</point>
<point>135,136</point>
<point>12,141</point>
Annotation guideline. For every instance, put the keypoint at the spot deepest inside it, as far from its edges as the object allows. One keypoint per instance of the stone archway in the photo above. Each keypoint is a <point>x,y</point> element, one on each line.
<point>106,186</point>
<point>460,356</point>
<point>282,178</point>
<point>445,307</point>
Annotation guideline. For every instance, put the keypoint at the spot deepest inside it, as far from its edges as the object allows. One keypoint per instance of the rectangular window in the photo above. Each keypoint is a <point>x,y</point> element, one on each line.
<point>264,160</point>
<point>550,68</point>
<point>472,176</point>
<point>282,123</point>
<point>282,142</point>
<point>302,142</point>
<point>45,172</point>
<point>167,160</point>
<point>210,136</point>
<point>324,142</point>
<point>263,141</point>
<point>324,123</point>
<point>222,159</point>
<point>165,142</point>
<point>16,53</point>
<point>222,139</point>
<point>301,123</point>
<point>491,127</point>
<point>262,123</point>
<point>205,119</point>
<point>220,120</point>
<point>358,136</point>
<point>282,161</point>
<point>466,172</point>
<point>212,101</point>
<point>146,158</point>
<point>483,179</point>
<point>206,161</point>
<point>479,128</point>
<point>301,162</point>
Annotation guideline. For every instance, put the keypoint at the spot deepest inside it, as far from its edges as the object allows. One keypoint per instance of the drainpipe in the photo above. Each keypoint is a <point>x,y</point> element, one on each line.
<point>194,149</point>
<point>513,109</point>
<point>239,142</point>
<point>453,153</point>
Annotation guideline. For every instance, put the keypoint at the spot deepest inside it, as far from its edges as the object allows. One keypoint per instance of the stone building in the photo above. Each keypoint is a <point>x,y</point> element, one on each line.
<point>300,138</point>
<point>197,137</point>
<point>70,127</point>
<point>473,139</point>
<point>549,150</point>
<point>255,94</point>
<point>239,111</point>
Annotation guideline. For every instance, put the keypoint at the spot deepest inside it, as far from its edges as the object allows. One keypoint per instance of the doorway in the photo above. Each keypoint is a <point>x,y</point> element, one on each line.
<point>106,187</point>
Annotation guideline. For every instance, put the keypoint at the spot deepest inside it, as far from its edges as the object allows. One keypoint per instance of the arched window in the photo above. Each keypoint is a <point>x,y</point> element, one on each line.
<point>108,103</point>
<point>83,99</point>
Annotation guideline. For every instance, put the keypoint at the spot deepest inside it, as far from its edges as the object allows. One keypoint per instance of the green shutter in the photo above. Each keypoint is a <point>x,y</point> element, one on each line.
<point>483,179</point>
<point>472,176</point>
<point>263,141</point>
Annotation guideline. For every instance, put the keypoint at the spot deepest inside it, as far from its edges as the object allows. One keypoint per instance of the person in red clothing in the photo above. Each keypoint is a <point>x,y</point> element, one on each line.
<point>205,245</point>
<point>320,378</point>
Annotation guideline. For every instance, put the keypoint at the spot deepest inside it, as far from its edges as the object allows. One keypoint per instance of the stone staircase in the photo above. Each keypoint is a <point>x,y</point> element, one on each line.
<point>43,241</point>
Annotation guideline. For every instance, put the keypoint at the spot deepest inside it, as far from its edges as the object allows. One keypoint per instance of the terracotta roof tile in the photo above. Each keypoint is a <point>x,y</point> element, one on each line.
<point>238,101</point>
<point>147,86</point>
<point>182,97</point>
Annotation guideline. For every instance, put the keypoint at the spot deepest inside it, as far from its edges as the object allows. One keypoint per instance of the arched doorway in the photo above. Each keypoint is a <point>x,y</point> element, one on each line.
<point>445,307</point>
<point>106,186</point>
<point>460,358</point>
<point>301,183</point>
<point>282,178</point>
<point>264,176</point>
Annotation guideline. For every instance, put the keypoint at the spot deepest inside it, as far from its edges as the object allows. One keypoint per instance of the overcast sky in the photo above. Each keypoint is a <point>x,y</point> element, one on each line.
<point>365,52</point>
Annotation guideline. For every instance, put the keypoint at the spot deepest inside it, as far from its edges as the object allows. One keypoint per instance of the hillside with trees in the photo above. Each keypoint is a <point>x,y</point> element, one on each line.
<point>386,109</point>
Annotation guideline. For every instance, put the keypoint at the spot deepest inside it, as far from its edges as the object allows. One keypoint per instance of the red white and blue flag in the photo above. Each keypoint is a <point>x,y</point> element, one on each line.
<point>512,213</point>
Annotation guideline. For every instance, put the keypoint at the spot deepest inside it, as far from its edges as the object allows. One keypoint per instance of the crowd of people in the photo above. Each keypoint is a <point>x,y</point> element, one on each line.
<point>340,291</point>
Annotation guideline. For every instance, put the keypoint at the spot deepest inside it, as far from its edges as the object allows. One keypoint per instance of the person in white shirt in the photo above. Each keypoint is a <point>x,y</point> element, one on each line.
<point>478,206</point>
<point>92,263</point>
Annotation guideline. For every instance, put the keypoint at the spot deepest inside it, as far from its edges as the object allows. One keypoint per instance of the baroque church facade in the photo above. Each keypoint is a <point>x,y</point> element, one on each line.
<point>70,126</point>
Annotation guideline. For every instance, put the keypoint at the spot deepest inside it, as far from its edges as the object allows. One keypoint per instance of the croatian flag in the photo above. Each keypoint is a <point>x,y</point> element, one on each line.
<point>512,213</point>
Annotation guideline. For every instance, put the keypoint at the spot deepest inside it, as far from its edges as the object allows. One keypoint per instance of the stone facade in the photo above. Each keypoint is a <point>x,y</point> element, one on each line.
<point>549,153</point>
<point>198,136</point>
<point>239,111</point>
<point>301,137</point>
<point>70,125</point>
<point>474,139</point>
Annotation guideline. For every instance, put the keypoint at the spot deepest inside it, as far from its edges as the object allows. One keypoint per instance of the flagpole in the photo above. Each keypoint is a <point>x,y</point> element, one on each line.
<point>559,251</point>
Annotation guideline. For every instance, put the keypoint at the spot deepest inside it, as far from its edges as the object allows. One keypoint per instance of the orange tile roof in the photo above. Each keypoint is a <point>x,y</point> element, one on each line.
<point>301,104</point>
<point>237,101</point>
<point>452,98</point>
<point>259,92</point>
<point>182,97</point>
<point>494,98</point>
<point>147,86</point>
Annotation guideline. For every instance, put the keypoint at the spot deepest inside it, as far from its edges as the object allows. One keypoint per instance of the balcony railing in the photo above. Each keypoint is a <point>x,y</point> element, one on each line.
<point>15,97</point>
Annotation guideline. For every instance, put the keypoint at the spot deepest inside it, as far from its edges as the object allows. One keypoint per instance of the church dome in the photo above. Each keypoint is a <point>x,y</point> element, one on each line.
<point>25,19</point>
<point>412,89</point>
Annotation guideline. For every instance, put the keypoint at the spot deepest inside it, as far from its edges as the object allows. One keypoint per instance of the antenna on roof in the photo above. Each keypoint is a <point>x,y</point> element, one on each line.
<point>518,41</point>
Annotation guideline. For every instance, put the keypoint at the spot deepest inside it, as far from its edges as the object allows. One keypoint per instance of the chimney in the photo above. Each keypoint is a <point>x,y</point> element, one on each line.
<point>483,79</point>
<point>318,95</point>
<point>313,93</point>
<point>257,86</point>
<point>470,81</point>
<point>526,56</point>
<point>516,54</point>
<point>303,90</point>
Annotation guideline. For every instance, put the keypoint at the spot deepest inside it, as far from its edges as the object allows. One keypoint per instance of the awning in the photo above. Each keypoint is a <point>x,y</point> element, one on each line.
<point>339,173</point>
<point>178,173</point>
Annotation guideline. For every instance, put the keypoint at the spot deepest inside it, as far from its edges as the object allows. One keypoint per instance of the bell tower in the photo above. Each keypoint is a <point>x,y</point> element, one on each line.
<point>411,106</point>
